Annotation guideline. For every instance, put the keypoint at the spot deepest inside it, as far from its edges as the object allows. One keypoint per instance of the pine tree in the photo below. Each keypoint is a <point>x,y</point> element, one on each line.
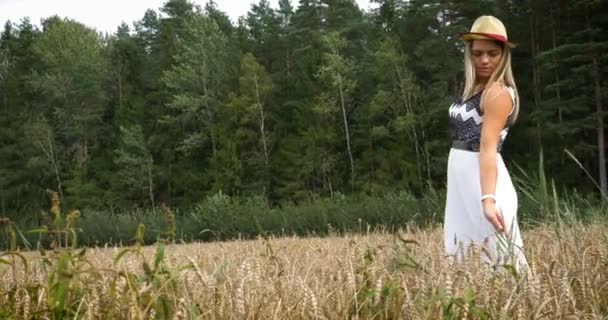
<point>134,179</point>
<point>196,82</point>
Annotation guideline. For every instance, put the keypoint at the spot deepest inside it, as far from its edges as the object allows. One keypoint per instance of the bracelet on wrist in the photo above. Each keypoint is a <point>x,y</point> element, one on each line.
<point>488,196</point>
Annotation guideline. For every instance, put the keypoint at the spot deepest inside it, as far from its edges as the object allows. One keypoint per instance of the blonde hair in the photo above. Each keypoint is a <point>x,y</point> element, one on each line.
<point>503,74</point>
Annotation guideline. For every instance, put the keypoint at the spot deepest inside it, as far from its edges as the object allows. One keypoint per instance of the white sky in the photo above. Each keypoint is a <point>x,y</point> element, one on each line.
<point>107,15</point>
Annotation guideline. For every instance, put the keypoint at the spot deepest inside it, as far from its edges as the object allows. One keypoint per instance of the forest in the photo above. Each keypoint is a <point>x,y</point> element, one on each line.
<point>291,106</point>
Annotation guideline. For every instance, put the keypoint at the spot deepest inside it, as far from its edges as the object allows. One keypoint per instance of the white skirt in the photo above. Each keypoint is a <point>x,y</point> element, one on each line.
<point>465,223</point>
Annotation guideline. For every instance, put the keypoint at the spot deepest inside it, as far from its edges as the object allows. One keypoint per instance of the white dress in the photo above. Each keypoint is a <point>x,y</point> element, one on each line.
<point>464,222</point>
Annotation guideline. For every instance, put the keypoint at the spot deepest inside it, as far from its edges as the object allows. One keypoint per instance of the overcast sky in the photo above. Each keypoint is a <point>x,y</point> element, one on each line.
<point>106,15</point>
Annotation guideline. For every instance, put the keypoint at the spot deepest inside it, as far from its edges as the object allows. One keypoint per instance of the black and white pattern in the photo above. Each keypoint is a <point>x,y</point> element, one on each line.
<point>466,119</point>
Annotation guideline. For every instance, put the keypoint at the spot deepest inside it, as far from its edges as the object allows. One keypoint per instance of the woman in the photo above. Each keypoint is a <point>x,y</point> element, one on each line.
<point>481,206</point>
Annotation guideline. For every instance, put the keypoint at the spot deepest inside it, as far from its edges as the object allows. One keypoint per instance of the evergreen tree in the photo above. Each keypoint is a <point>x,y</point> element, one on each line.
<point>134,179</point>
<point>196,81</point>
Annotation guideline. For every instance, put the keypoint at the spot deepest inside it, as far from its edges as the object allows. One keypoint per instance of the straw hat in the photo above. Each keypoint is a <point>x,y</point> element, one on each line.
<point>487,28</point>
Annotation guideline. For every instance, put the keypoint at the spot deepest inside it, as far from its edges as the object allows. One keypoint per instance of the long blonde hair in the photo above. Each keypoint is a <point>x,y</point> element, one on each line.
<point>502,74</point>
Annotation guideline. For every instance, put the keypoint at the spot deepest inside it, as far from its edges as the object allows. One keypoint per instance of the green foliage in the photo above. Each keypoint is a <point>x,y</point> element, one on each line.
<point>249,139</point>
<point>71,78</point>
<point>196,80</point>
<point>70,274</point>
<point>135,168</point>
<point>289,105</point>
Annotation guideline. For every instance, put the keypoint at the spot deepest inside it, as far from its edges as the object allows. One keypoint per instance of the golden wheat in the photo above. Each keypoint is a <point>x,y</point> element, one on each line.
<point>372,276</point>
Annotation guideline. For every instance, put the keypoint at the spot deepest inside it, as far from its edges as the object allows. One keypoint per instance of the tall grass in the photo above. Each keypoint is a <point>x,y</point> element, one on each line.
<point>540,200</point>
<point>377,275</point>
<point>381,258</point>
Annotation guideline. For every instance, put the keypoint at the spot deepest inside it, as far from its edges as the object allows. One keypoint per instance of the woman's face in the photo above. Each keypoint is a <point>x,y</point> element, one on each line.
<point>486,55</point>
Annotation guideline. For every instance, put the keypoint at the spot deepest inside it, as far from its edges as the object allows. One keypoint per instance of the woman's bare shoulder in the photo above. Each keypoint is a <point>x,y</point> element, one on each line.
<point>496,90</point>
<point>497,87</point>
<point>496,95</point>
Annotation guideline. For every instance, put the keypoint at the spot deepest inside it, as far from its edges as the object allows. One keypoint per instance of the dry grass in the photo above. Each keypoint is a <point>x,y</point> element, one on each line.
<point>375,276</point>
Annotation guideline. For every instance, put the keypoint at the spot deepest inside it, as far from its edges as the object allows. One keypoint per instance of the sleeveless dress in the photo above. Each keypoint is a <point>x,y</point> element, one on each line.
<point>465,223</point>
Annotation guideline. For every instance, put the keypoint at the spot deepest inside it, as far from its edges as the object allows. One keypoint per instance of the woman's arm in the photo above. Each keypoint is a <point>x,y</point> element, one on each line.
<point>496,106</point>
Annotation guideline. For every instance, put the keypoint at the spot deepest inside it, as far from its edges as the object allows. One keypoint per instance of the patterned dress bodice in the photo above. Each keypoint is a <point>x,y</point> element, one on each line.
<point>466,119</point>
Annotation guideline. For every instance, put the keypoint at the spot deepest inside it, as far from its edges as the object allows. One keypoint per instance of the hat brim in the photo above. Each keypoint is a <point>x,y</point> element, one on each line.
<point>470,36</point>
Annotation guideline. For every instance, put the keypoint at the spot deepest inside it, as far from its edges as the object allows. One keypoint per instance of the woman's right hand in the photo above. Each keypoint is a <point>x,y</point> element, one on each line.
<point>493,213</point>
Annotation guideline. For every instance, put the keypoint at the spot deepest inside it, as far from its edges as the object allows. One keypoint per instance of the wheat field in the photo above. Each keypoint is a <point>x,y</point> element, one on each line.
<point>377,275</point>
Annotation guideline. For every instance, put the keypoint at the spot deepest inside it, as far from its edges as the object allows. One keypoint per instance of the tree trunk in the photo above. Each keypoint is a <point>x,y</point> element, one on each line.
<point>372,166</point>
<point>599,111</point>
<point>350,154</point>
<point>151,186</point>
<point>287,66</point>
<point>2,198</point>
<point>170,186</point>
<point>558,96</point>
<point>534,50</point>
<point>554,29</point>
<point>85,149</point>
<point>261,118</point>
<point>408,107</point>
<point>428,159</point>
<point>120,87</point>
<point>50,154</point>
<point>600,126</point>
<point>209,113</point>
